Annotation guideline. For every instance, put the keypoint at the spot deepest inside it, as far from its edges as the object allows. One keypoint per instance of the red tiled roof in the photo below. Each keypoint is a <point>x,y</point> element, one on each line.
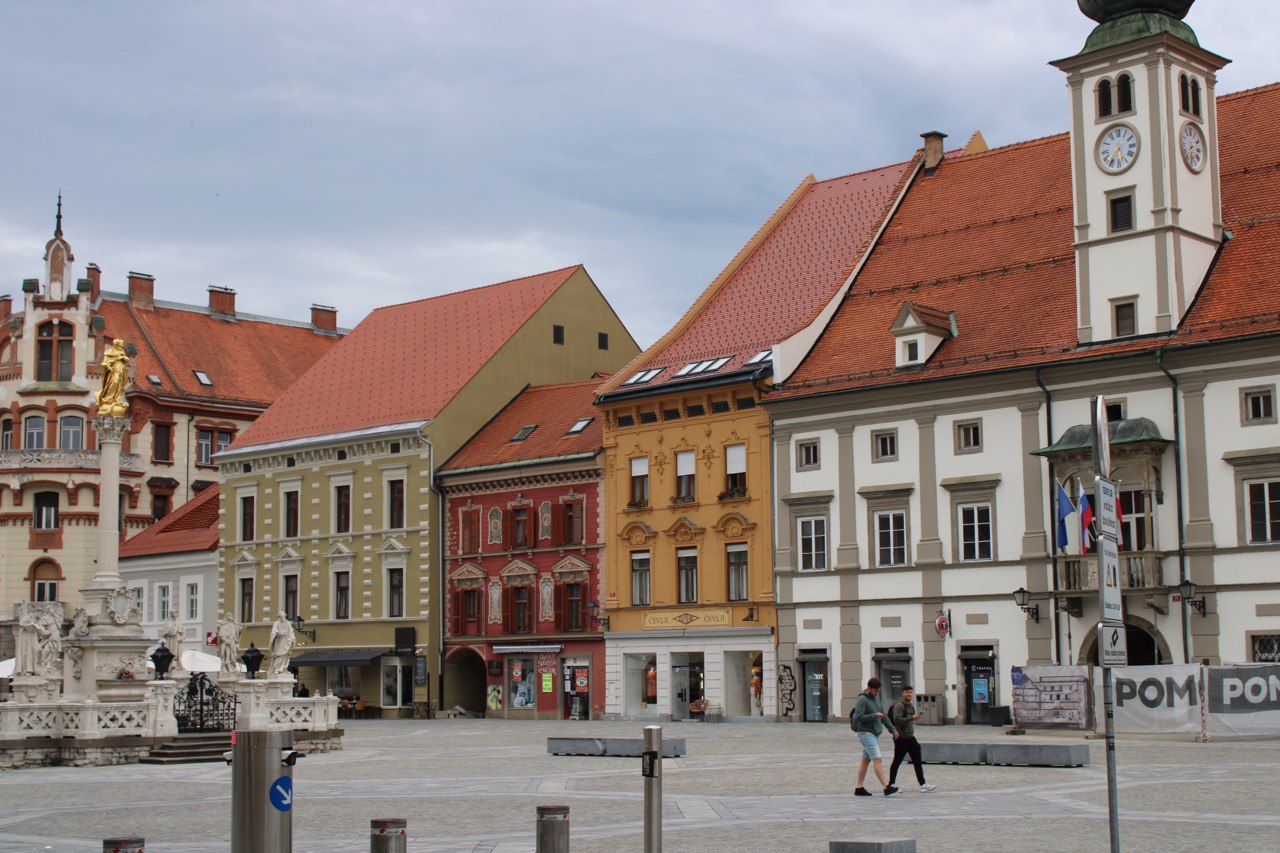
<point>553,409</point>
<point>791,269</point>
<point>248,361</point>
<point>191,527</point>
<point>990,237</point>
<point>405,362</point>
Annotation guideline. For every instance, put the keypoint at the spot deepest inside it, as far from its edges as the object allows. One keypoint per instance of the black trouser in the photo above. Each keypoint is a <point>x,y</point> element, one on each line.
<point>902,746</point>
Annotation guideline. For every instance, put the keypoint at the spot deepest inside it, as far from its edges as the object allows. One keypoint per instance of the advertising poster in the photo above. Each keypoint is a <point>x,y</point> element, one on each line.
<point>1157,699</point>
<point>1052,697</point>
<point>1244,699</point>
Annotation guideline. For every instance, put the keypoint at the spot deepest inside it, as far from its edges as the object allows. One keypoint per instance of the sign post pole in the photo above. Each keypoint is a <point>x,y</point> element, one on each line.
<point>1112,649</point>
<point>651,770</point>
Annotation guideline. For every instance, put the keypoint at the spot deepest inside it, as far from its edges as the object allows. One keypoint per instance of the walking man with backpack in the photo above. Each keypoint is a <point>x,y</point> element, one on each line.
<point>903,715</point>
<point>868,719</point>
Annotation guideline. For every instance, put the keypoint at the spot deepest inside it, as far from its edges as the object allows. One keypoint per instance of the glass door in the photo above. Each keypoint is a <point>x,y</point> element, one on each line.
<point>815,690</point>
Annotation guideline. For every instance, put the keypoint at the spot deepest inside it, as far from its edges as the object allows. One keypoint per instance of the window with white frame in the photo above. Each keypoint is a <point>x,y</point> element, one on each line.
<point>639,578</point>
<point>46,511</point>
<point>813,543</point>
<point>807,458</point>
<point>33,432</point>
<point>193,601</point>
<point>1262,498</point>
<point>975,532</point>
<point>884,445</point>
<point>1257,406</point>
<point>890,537</point>
<point>1135,519</point>
<point>289,595</point>
<point>687,574</point>
<point>969,437</point>
<point>639,482</point>
<point>164,601</point>
<point>342,595</point>
<point>739,576</point>
<point>685,469</point>
<point>735,470</point>
<point>71,433</point>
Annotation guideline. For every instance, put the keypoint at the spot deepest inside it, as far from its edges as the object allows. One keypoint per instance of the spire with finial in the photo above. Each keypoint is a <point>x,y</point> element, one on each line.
<point>57,225</point>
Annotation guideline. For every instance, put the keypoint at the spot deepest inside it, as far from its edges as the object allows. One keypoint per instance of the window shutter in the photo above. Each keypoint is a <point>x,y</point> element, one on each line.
<point>558,532</point>
<point>509,534</point>
<point>455,621</point>
<point>560,606</point>
<point>735,459</point>
<point>640,467</point>
<point>684,463</point>
<point>508,609</point>
<point>579,521</point>
<point>531,528</point>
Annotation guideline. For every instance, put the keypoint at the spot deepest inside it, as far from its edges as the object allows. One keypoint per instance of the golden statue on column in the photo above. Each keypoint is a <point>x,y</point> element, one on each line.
<point>115,379</point>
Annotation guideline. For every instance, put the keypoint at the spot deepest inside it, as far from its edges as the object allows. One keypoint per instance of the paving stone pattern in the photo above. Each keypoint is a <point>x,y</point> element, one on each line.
<point>473,785</point>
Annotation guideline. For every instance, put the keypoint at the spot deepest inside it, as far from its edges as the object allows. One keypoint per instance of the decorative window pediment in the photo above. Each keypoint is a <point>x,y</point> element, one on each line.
<point>338,550</point>
<point>637,534</point>
<point>572,570</point>
<point>244,560</point>
<point>391,546</point>
<point>519,573</point>
<point>685,530</point>
<point>734,525</point>
<point>288,554</point>
<point>468,576</point>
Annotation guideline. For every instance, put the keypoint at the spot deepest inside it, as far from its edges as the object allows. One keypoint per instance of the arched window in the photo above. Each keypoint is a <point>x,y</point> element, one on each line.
<point>1104,98</point>
<point>33,432</point>
<point>71,433</point>
<point>1124,94</point>
<point>1195,97</point>
<point>55,352</point>
<point>6,434</point>
<point>45,512</point>
<point>1184,89</point>
<point>44,581</point>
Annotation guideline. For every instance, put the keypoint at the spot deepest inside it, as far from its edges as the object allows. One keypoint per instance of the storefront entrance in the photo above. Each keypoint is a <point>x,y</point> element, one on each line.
<point>978,664</point>
<point>893,667</point>
<point>688,686</point>
<point>815,672</point>
<point>575,676</point>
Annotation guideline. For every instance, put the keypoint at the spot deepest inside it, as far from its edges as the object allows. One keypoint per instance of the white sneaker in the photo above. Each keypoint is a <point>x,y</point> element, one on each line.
<point>928,789</point>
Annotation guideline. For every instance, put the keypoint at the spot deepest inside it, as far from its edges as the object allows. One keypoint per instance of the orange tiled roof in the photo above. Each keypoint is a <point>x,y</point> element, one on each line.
<point>191,527</point>
<point>792,268</point>
<point>553,409</point>
<point>405,362</point>
<point>990,237</point>
<point>249,361</point>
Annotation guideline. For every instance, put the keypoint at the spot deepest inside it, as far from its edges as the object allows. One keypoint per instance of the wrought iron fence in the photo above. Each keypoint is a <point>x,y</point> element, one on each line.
<point>204,707</point>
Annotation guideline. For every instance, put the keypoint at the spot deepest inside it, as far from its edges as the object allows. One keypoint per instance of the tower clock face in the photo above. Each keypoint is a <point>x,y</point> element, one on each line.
<point>1117,148</point>
<point>1192,144</point>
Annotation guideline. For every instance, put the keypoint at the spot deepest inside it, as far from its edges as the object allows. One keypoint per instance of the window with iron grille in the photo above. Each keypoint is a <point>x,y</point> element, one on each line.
<point>1266,648</point>
<point>395,593</point>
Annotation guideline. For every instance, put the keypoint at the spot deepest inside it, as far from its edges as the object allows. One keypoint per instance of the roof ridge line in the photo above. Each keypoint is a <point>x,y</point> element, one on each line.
<point>1250,91</point>
<point>1022,143</point>
<point>478,287</point>
<point>861,172</point>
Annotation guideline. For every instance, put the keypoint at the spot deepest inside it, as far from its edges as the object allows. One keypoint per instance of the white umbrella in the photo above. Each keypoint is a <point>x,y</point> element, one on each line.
<point>194,661</point>
<point>6,668</point>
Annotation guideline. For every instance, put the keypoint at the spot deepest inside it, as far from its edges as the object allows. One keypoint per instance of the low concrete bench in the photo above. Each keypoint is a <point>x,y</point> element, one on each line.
<point>879,845</point>
<point>945,752</point>
<point>612,746</point>
<point>1039,754</point>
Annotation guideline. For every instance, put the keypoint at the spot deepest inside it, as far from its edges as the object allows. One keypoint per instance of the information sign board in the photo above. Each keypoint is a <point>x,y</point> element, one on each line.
<point>1114,647</point>
<point>1109,589</point>
<point>1108,518</point>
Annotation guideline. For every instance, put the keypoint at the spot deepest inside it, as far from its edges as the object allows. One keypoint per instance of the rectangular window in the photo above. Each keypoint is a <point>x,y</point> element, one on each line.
<point>639,483</point>
<point>687,571</point>
<point>6,435</point>
<point>290,596</point>
<point>571,526</point>
<point>46,590</point>
<point>222,440</point>
<point>736,562</point>
<point>1266,648</point>
<point>342,595</point>
<point>1259,406</point>
<point>1126,318</point>
<point>469,612</point>
<point>639,578</point>
<point>159,506</point>
<point>574,608</point>
<point>246,600</point>
<point>975,532</point>
<point>1264,511</point>
<point>735,470</point>
<point>891,538</point>
<point>71,433</point>
<point>193,601</point>
<point>164,601</point>
<point>557,334</point>
<point>46,511</point>
<point>204,447</point>
<point>813,543</point>
<point>1135,524</point>
<point>1121,209</point>
<point>807,455</point>
<point>685,467</point>
<point>1115,411</point>
<point>395,504</point>
<point>602,340</point>
<point>884,445</point>
<point>395,593</point>
<point>521,529</point>
<point>247,503</point>
<point>521,611</point>
<point>162,442</point>
<point>911,351</point>
<point>470,531</point>
<point>33,433</point>
<point>291,511</point>
<point>969,437</point>
<point>342,509</point>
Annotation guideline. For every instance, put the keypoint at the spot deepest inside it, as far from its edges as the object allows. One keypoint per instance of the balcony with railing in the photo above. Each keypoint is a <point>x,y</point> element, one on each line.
<point>1139,570</point>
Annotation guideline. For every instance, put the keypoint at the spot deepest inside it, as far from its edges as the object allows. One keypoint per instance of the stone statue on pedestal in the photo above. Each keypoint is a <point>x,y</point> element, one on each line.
<point>115,379</point>
<point>228,643</point>
<point>283,639</point>
<point>39,644</point>
<point>174,635</point>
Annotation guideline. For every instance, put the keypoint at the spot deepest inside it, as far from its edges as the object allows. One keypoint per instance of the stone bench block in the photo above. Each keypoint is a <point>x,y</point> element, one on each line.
<point>612,746</point>
<point>879,845</point>
<point>944,752</point>
<point>1039,754</point>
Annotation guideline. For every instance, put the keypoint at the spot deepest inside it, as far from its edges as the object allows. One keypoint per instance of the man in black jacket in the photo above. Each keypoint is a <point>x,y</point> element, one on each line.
<point>904,716</point>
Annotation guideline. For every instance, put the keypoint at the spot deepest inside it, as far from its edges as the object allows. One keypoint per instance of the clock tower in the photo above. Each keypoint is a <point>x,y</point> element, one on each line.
<point>1144,167</point>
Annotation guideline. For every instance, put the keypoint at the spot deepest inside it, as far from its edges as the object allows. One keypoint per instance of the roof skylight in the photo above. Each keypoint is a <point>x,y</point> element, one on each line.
<point>644,376</point>
<point>524,432</point>
<point>202,377</point>
<point>579,426</point>
<point>763,355</point>
<point>710,365</point>
<point>153,379</point>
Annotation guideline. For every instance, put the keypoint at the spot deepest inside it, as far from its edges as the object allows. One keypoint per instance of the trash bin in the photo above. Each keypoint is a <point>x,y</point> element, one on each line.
<point>932,709</point>
<point>1000,715</point>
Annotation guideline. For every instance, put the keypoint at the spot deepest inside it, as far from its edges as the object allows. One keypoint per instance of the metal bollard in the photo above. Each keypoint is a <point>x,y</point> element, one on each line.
<point>389,835</point>
<point>262,791</point>
<point>651,769</point>
<point>553,829</point>
<point>131,844</point>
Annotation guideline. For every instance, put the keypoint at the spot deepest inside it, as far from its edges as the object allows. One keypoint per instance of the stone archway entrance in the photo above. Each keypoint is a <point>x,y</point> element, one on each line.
<point>464,680</point>
<point>1147,646</point>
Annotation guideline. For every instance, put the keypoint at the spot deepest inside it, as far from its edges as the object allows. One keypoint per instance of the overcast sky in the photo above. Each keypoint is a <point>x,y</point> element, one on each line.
<point>363,153</point>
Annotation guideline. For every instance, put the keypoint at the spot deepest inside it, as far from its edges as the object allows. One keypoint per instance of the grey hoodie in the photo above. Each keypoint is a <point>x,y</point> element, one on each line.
<point>864,719</point>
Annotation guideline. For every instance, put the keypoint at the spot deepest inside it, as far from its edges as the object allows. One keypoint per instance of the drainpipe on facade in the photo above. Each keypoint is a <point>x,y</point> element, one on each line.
<point>1053,520</point>
<point>1177,475</point>
<point>439,548</point>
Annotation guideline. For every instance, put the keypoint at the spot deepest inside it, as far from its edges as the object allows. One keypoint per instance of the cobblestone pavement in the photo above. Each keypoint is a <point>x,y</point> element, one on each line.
<point>472,785</point>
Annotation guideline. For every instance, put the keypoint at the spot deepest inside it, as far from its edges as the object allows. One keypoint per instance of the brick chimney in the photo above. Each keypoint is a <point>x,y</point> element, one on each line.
<point>95,276</point>
<point>932,149</point>
<point>222,300</point>
<point>324,319</point>
<point>6,307</point>
<point>142,290</point>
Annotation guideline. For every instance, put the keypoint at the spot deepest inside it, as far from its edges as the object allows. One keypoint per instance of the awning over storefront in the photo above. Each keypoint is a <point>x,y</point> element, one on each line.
<point>515,650</point>
<point>338,657</point>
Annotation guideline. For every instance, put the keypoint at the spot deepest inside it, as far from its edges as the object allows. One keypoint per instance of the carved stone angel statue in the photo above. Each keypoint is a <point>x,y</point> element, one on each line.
<point>174,635</point>
<point>228,643</point>
<point>115,379</point>
<point>282,642</point>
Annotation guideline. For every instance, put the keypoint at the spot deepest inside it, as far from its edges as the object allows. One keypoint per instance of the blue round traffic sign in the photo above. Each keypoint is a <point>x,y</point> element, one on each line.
<point>281,793</point>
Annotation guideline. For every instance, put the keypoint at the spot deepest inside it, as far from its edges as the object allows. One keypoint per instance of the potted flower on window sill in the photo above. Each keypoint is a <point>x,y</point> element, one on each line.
<point>637,504</point>
<point>737,493</point>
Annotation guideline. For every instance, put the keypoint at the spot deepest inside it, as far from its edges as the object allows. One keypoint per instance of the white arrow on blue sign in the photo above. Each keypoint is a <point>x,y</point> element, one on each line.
<point>281,793</point>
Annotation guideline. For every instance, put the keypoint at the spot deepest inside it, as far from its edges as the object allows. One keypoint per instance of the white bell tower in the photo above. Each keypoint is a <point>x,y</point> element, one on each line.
<point>1144,167</point>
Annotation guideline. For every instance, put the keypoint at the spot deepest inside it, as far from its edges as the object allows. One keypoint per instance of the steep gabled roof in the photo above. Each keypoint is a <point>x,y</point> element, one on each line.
<point>781,279</point>
<point>405,362</point>
<point>553,410</point>
<point>249,361</point>
<point>191,527</point>
<point>990,237</point>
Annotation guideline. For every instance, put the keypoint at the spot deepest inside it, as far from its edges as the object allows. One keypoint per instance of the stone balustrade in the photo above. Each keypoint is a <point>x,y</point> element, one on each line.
<point>63,459</point>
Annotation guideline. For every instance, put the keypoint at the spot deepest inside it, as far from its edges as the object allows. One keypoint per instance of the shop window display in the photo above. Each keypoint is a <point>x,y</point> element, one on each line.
<point>524,686</point>
<point>641,687</point>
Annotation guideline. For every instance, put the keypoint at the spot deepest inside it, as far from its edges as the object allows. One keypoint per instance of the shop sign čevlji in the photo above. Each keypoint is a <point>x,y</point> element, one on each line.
<point>719,617</point>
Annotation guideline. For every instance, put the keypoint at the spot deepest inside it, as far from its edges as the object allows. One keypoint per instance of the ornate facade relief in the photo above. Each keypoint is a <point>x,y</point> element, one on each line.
<point>495,601</point>
<point>546,598</point>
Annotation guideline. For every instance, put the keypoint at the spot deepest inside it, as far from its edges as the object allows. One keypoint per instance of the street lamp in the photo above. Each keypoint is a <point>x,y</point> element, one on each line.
<point>163,659</point>
<point>1022,598</point>
<point>1187,589</point>
<point>593,610</point>
<point>252,660</point>
<point>298,622</point>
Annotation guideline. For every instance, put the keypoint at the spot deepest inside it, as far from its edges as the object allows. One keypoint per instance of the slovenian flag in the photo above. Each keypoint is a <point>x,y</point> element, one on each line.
<point>1063,510</point>
<point>1086,522</point>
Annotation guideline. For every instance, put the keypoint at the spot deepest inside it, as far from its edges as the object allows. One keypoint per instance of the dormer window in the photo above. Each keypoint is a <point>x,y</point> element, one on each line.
<point>203,378</point>
<point>911,351</point>
<point>920,331</point>
<point>55,352</point>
